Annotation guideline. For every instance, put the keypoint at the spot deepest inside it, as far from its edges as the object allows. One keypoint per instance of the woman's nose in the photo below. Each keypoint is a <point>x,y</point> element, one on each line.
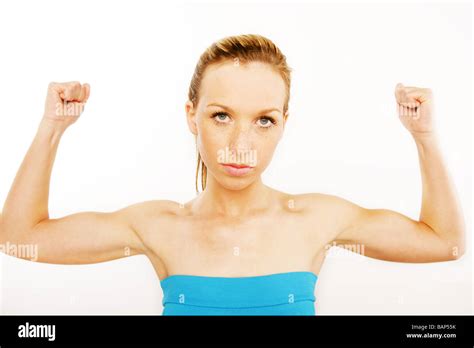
<point>241,137</point>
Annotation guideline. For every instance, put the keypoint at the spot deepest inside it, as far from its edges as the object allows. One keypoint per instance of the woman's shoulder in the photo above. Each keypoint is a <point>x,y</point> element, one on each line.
<point>155,208</point>
<point>150,218</point>
<point>312,201</point>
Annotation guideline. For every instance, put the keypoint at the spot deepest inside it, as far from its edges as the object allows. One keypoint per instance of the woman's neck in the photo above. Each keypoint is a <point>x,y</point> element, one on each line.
<point>217,200</point>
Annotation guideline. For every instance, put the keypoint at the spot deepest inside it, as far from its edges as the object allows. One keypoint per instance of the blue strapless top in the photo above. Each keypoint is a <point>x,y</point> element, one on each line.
<point>290,293</point>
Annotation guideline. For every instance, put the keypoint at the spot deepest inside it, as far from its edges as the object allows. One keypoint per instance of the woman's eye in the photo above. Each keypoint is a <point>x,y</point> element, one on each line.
<point>266,122</point>
<point>223,118</point>
<point>220,117</point>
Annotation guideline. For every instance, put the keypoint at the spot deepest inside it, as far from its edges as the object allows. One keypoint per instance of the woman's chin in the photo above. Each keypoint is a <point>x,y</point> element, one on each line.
<point>235,183</point>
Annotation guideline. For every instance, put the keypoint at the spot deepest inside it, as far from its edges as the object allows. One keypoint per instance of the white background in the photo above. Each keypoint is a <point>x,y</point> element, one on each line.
<point>132,143</point>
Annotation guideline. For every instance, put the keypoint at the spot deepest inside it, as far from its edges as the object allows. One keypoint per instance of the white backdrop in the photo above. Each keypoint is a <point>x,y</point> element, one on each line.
<point>132,143</point>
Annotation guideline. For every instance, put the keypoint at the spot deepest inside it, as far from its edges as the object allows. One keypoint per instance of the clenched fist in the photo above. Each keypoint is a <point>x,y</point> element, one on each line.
<point>65,103</point>
<point>415,109</point>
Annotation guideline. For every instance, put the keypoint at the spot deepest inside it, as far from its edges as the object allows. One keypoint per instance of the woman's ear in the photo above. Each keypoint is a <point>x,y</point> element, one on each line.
<point>191,117</point>
<point>285,118</point>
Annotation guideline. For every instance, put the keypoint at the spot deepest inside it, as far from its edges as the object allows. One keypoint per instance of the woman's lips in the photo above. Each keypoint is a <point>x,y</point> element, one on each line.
<point>236,169</point>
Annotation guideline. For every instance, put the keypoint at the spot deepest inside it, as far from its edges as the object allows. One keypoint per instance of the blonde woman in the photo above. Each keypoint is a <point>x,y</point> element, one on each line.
<point>239,247</point>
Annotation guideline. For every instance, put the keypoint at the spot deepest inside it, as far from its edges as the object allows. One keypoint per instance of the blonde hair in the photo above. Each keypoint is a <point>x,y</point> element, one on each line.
<point>241,49</point>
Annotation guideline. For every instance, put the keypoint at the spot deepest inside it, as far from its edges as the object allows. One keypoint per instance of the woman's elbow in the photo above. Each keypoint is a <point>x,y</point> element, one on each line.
<point>457,246</point>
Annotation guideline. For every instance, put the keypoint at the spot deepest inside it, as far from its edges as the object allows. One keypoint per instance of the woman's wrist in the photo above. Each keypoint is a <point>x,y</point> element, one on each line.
<point>50,128</point>
<point>426,143</point>
<point>425,138</point>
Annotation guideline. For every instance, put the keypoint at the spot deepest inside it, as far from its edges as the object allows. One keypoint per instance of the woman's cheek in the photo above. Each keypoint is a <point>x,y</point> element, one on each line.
<point>265,153</point>
<point>210,147</point>
<point>262,159</point>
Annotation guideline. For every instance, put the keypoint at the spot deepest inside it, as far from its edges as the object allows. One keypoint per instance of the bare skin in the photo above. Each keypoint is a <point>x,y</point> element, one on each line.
<point>238,226</point>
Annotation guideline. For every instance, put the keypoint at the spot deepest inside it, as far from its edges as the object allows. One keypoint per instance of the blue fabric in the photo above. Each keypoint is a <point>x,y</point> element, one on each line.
<point>290,293</point>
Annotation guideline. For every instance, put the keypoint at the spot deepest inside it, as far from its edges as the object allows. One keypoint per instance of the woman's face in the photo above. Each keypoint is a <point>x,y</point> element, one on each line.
<point>238,120</point>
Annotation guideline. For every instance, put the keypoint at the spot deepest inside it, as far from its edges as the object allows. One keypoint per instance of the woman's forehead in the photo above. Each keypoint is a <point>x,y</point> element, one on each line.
<point>253,84</point>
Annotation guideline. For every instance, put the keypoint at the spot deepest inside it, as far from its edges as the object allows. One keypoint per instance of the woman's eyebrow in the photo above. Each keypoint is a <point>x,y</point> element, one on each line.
<point>232,111</point>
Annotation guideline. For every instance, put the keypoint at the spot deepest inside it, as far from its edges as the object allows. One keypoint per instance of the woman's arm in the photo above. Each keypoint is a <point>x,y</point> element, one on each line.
<point>439,234</point>
<point>85,237</point>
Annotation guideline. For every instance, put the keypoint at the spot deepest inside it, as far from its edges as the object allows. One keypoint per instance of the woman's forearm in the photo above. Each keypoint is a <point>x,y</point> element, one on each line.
<point>27,200</point>
<point>440,208</point>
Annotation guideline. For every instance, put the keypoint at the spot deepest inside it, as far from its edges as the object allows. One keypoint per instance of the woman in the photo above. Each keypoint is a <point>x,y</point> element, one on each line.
<point>239,247</point>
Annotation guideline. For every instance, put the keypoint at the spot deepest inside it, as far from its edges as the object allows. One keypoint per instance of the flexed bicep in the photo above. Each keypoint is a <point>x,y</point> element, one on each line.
<point>388,235</point>
<point>85,237</point>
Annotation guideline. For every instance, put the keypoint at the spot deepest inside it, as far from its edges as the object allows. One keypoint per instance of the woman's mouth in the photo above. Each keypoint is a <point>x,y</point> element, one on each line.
<point>236,169</point>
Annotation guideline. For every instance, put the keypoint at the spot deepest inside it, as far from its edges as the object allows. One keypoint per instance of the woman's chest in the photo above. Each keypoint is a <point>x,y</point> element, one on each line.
<point>217,247</point>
